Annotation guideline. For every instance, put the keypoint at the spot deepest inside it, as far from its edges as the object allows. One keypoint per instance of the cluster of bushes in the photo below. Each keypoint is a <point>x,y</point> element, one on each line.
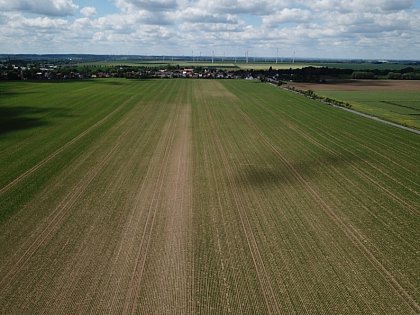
<point>403,76</point>
<point>337,103</point>
<point>363,75</point>
<point>311,94</point>
<point>408,73</point>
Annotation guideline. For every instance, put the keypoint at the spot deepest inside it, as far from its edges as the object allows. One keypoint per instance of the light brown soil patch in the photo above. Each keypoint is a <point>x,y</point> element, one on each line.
<point>215,89</point>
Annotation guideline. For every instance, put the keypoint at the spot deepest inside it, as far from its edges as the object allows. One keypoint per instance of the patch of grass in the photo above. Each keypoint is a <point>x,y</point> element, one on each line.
<point>396,106</point>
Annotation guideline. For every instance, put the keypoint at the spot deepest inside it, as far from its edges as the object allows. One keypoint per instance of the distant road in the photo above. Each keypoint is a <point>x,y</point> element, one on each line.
<point>379,119</point>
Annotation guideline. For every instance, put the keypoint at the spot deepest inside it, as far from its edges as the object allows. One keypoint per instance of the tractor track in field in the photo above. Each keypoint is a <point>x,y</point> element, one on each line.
<point>334,153</point>
<point>361,172</point>
<point>211,172</point>
<point>130,303</point>
<point>29,139</point>
<point>203,197</point>
<point>253,197</point>
<point>58,214</point>
<point>393,148</point>
<point>355,187</point>
<point>178,192</point>
<point>265,284</point>
<point>71,276</point>
<point>368,116</point>
<point>60,150</point>
<point>170,193</point>
<point>369,178</point>
<point>130,231</point>
<point>353,138</point>
<point>352,233</point>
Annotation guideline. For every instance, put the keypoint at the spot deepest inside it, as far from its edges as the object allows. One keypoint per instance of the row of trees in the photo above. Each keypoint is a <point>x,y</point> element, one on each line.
<point>311,94</point>
<point>408,73</point>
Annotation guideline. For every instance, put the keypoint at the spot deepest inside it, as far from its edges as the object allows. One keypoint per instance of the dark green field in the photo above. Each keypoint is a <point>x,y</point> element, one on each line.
<point>202,197</point>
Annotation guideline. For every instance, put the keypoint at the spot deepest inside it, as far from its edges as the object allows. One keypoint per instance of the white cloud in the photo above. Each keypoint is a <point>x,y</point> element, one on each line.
<point>148,5</point>
<point>45,7</point>
<point>88,11</point>
<point>293,15</point>
<point>318,28</point>
<point>198,15</point>
<point>237,6</point>
<point>361,5</point>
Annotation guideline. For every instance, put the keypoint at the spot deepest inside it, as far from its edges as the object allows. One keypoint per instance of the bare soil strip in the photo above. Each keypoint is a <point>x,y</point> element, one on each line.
<point>174,263</point>
<point>161,281</point>
<point>163,201</point>
<point>148,198</point>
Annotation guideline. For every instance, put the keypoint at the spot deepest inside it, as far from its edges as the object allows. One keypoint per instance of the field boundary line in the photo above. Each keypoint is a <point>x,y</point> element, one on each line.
<point>59,150</point>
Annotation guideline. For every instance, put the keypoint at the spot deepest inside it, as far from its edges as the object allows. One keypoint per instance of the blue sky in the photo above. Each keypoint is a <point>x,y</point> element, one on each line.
<point>375,29</point>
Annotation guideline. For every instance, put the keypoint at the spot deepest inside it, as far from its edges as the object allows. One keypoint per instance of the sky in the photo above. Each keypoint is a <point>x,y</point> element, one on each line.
<point>368,29</point>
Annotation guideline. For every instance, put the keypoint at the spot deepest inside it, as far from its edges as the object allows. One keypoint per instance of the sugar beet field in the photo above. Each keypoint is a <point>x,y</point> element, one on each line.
<point>202,197</point>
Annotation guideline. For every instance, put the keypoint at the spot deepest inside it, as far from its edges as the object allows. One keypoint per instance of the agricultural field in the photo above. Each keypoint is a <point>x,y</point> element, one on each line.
<point>368,65</point>
<point>396,101</point>
<point>257,64</point>
<point>202,197</point>
<point>231,65</point>
<point>275,66</point>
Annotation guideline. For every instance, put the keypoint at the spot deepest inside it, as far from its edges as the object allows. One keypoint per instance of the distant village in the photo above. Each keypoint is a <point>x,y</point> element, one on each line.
<point>54,72</point>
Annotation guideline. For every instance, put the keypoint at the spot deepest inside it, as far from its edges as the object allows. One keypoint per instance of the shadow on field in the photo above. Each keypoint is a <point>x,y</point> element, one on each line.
<point>140,80</point>
<point>255,175</point>
<point>44,82</point>
<point>107,82</point>
<point>13,93</point>
<point>263,176</point>
<point>24,117</point>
